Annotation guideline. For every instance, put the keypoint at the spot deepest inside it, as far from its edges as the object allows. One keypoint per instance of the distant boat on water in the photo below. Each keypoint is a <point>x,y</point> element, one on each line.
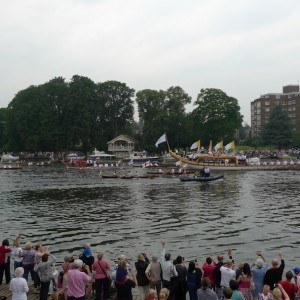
<point>7,158</point>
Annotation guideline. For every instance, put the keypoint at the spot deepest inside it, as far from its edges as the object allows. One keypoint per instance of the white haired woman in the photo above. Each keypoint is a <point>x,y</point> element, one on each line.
<point>18,285</point>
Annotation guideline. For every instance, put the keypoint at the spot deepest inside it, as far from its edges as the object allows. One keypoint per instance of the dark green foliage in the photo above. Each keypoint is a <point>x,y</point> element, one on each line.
<point>279,131</point>
<point>60,116</point>
<point>82,115</point>
<point>217,115</point>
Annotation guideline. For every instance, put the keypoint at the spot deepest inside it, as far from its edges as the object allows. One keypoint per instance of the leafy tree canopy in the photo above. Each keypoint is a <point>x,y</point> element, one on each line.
<point>279,130</point>
<point>217,114</point>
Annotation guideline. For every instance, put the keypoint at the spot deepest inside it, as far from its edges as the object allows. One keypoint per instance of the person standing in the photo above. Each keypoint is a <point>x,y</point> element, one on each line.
<point>18,285</point>
<point>28,255</point>
<point>5,252</point>
<point>102,280</point>
<point>180,288</point>
<point>227,273</point>
<point>167,268</point>
<point>193,276</point>
<point>77,281</point>
<point>274,275</point>
<point>205,292</point>
<point>258,270</point>
<point>16,252</point>
<point>124,287</point>
<point>290,288</point>
<point>153,273</point>
<point>45,272</point>
<point>142,281</point>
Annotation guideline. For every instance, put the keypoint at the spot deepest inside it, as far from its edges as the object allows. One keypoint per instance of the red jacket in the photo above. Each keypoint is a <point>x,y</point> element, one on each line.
<point>3,251</point>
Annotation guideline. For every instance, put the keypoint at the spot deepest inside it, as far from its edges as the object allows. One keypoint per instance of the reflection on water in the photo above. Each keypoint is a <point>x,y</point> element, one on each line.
<point>247,211</point>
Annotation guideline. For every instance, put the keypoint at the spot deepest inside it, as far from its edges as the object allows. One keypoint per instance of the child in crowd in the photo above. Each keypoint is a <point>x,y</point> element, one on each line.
<point>266,294</point>
<point>152,295</point>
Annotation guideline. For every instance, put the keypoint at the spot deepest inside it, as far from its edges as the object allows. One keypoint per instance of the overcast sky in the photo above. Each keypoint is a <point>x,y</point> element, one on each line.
<point>246,48</point>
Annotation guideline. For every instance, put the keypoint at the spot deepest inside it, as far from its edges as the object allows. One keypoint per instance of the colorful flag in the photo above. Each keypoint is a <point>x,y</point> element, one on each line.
<point>219,146</point>
<point>162,139</point>
<point>231,145</point>
<point>196,145</point>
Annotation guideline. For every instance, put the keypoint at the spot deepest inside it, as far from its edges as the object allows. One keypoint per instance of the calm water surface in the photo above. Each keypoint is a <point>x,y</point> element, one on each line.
<point>246,211</point>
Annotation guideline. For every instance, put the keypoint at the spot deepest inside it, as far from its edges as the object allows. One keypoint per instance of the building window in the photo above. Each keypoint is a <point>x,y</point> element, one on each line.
<point>277,96</point>
<point>283,103</point>
<point>267,121</point>
<point>289,108</point>
<point>267,103</point>
<point>266,116</point>
<point>277,102</point>
<point>267,109</point>
<point>294,107</point>
<point>258,104</point>
<point>294,101</point>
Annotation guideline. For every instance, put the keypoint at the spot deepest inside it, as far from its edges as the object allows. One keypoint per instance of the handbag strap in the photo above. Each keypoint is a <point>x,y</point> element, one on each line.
<point>105,273</point>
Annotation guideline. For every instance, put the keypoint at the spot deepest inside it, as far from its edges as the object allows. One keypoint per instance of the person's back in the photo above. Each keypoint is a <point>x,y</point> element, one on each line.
<point>77,280</point>
<point>205,292</point>
<point>274,275</point>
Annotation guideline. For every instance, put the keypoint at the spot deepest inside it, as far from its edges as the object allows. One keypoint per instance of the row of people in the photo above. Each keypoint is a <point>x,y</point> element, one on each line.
<point>159,273</point>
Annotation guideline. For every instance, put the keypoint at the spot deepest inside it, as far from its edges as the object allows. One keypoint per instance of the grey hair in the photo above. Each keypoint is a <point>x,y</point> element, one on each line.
<point>19,272</point>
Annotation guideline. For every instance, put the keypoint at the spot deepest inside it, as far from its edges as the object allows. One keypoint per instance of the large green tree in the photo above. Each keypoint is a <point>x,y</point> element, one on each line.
<point>151,108</point>
<point>217,115</point>
<point>175,103</point>
<point>3,130</point>
<point>119,109</point>
<point>279,130</point>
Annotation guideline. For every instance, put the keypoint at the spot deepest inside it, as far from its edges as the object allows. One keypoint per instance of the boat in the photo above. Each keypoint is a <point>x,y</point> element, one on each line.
<point>224,162</point>
<point>137,158</point>
<point>172,172</point>
<point>75,156</point>
<point>10,162</point>
<point>101,155</point>
<point>201,178</point>
<point>10,166</point>
<point>8,158</point>
<point>127,177</point>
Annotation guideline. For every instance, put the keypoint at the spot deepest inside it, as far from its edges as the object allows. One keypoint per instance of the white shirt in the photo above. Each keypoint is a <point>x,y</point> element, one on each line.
<point>226,275</point>
<point>19,288</point>
<point>15,253</point>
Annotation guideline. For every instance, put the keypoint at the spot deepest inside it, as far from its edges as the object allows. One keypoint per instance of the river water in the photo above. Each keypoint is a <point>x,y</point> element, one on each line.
<point>63,209</point>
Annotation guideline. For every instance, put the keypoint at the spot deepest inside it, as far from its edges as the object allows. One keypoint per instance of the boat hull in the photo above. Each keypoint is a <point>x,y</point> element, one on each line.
<point>220,165</point>
<point>201,179</point>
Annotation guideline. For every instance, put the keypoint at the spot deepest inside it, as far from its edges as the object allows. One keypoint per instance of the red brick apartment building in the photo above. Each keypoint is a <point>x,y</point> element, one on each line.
<point>261,108</point>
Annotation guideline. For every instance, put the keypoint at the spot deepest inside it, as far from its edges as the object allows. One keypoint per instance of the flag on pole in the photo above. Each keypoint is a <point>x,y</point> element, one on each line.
<point>219,146</point>
<point>230,145</point>
<point>162,139</point>
<point>210,147</point>
<point>196,145</point>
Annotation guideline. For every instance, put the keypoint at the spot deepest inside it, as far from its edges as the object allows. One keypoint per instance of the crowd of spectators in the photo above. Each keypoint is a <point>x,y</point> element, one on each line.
<point>87,276</point>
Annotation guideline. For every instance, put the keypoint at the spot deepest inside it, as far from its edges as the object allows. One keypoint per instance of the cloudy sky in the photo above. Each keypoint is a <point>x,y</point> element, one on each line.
<point>244,47</point>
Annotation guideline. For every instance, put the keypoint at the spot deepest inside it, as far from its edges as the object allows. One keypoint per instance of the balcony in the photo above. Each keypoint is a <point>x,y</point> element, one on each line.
<point>115,148</point>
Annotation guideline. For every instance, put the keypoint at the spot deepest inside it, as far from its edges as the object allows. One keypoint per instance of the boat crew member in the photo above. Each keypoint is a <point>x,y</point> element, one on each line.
<point>206,172</point>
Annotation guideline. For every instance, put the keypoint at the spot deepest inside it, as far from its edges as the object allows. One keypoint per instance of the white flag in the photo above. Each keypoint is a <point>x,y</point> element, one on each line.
<point>162,139</point>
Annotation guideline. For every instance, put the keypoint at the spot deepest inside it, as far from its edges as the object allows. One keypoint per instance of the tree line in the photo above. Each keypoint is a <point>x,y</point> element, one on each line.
<point>81,115</point>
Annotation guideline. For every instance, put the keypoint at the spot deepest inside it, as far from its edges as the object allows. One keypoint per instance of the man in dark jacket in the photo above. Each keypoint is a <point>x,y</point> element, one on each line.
<point>274,274</point>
